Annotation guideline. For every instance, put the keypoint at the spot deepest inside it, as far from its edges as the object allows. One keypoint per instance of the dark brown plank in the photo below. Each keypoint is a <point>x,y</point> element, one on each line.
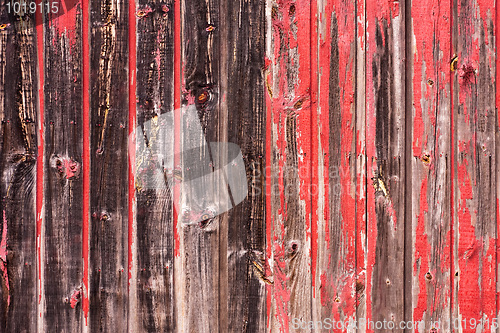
<point>154,214</point>
<point>109,166</point>
<point>197,250</point>
<point>18,112</point>
<point>242,85</point>
<point>63,196</point>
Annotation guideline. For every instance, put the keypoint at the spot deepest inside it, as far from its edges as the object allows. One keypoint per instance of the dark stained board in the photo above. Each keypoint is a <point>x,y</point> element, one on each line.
<point>19,263</point>
<point>108,235</point>
<point>153,286</point>
<point>196,263</point>
<point>243,103</point>
<point>63,190</point>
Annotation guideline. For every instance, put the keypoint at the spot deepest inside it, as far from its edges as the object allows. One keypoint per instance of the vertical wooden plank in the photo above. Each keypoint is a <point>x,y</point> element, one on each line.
<point>336,123</point>
<point>474,107</point>
<point>243,89</point>
<point>63,199</point>
<point>289,155</point>
<point>154,225</point>
<point>385,139</point>
<point>361,163</point>
<point>196,275</point>
<point>18,112</point>
<point>431,163</point>
<point>108,172</point>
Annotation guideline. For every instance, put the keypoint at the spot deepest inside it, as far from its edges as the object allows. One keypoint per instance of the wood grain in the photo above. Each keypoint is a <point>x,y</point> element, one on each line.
<point>474,146</point>
<point>431,163</point>
<point>197,250</point>
<point>63,197</point>
<point>108,169</point>
<point>19,263</point>
<point>337,162</point>
<point>289,156</point>
<point>369,133</point>
<point>154,225</point>
<point>385,140</point>
<point>243,102</point>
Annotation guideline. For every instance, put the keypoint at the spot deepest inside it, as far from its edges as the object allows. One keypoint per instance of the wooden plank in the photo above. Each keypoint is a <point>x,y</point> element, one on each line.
<point>63,197</point>
<point>154,226</point>
<point>196,262</point>
<point>289,153</point>
<point>431,163</point>
<point>243,89</point>
<point>19,264</point>
<point>337,162</point>
<point>361,163</point>
<point>109,166</point>
<point>385,140</point>
<point>474,107</point>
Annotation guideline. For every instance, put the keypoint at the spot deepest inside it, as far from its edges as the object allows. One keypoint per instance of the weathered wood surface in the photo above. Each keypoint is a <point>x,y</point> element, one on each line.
<point>369,132</point>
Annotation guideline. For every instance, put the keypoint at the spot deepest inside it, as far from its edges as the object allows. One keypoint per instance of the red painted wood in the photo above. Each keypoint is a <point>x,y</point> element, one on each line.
<point>289,237</point>
<point>431,162</point>
<point>337,131</point>
<point>474,104</point>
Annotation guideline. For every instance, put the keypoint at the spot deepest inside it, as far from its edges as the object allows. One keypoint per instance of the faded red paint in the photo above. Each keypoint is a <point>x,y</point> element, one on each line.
<point>283,102</point>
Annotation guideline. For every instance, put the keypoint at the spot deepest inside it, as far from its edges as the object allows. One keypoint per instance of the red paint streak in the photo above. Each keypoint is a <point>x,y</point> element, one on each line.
<point>314,183</point>
<point>40,153</point>
<point>132,120</point>
<point>86,156</point>
<point>177,106</point>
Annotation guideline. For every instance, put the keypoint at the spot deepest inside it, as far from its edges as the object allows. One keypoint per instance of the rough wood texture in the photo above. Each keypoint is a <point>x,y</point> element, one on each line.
<point>242,70</point>
<point>475,161</point>
<point>196,263</point>
<point>153,237</point>
<point>369,135</point>
<point>386,156</point>
<point>431,159</point>
<point>19,264</point>
<point>62,223</point>
<point>289,157</point>
<point>108,166</point>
